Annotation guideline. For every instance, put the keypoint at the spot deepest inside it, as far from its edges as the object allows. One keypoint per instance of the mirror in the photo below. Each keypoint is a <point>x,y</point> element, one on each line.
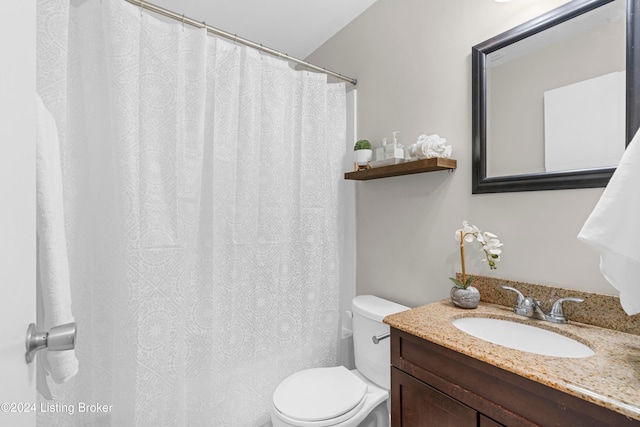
<point>556,99</point>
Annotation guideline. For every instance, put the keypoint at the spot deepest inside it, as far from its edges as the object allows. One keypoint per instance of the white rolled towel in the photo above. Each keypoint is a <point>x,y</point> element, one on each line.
<point>430,146</point>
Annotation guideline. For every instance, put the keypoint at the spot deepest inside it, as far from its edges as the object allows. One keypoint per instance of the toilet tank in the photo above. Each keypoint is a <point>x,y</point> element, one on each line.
<point>372,360</point>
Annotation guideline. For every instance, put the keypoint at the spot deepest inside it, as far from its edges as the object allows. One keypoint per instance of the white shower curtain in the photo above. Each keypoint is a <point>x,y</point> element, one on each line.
<point>202,181</point>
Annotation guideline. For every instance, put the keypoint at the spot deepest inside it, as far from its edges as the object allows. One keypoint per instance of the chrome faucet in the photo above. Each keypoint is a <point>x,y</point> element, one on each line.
<point>528,307</point>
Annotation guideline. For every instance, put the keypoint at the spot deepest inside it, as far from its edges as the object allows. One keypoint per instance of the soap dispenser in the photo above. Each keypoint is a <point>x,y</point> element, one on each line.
<point>397,152</point>
<point>388,152</point>
<point>381,151</point>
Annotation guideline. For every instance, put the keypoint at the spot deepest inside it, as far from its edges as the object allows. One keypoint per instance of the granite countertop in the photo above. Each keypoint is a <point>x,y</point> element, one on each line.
<point>610,378</point>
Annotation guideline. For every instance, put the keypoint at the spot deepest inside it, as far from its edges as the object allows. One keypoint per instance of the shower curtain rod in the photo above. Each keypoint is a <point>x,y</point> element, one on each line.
<point>186,20</point>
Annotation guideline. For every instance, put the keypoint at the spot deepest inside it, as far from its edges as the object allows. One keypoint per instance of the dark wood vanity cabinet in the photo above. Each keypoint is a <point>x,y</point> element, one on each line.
<point>434,386</point>
<point>422,405</point>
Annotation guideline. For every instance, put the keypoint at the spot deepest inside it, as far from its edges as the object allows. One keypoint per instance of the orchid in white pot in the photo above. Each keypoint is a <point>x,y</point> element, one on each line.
<point>463,294</point>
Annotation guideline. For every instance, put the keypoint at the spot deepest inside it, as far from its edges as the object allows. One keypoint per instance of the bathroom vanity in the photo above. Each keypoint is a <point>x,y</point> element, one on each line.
<point>441,376</point>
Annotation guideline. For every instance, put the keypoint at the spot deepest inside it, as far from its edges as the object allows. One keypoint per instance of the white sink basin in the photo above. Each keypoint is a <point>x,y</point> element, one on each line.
<point>523,337</point>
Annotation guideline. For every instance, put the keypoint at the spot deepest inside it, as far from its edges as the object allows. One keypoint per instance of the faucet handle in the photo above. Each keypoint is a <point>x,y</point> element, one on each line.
<point>520,299</point>
<point>556,315</point>
<point>524,305</point>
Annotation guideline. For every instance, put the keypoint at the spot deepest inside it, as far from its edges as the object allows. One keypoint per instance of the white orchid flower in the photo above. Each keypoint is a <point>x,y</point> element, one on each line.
<point>468,228</point>
<point>492,251</point>
<point>488,236</point>
<point>469,232</point>
<point>490,245</point>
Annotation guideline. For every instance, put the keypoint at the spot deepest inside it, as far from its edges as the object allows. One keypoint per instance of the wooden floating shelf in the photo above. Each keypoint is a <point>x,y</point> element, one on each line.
<point>407,168</point>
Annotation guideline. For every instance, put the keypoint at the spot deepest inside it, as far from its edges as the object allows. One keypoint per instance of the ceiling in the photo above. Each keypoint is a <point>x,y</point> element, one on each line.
<point>293,27</point>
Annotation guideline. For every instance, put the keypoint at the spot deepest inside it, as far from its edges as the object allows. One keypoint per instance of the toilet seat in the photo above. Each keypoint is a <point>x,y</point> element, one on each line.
<point>320,397</point>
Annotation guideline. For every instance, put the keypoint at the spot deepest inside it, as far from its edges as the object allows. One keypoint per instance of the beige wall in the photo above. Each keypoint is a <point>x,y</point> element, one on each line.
<point>412,61</point>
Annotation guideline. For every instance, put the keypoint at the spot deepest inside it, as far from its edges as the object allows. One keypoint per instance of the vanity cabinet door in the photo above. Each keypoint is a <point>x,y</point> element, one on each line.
<point>416,404</point>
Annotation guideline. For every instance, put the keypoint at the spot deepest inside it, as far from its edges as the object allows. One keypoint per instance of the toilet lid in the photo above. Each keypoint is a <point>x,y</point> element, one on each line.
<point>319,394</point>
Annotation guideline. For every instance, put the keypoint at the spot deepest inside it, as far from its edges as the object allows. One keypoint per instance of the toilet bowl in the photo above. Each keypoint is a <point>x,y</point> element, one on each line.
<point>323,397</point>
<point>336,396</point>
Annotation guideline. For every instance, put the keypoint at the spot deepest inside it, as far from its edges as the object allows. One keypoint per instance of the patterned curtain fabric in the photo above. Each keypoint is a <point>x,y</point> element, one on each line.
<point>202,181</point>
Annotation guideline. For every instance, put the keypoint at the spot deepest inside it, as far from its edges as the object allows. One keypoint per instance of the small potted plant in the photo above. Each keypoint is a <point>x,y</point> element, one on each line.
<point>362,152</point>
<point>463,294</point>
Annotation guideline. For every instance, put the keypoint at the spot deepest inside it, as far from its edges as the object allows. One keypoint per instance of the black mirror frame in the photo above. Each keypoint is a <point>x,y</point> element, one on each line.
<point>588,178</point>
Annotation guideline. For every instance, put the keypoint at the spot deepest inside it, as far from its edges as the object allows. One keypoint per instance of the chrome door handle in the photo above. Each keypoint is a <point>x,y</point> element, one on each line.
<point>59,338</point>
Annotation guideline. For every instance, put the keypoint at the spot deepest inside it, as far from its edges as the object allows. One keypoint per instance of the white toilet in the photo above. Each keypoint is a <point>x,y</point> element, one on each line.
<point>338,397</point>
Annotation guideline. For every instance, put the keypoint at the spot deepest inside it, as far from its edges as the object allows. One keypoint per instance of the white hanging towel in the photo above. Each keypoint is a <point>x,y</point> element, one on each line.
<point>53,267</point>
<point>612,229</point>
